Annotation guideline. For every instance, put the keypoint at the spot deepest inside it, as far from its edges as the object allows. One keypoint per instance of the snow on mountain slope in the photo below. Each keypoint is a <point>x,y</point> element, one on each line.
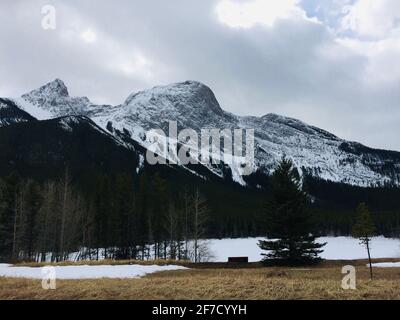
<point>33,109</point>
<point>193,105</point>
<point>10,113</point>
<point>54,98</point>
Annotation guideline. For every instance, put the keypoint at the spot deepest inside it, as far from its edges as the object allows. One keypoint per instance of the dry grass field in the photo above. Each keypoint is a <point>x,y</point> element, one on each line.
<point>221,282</point>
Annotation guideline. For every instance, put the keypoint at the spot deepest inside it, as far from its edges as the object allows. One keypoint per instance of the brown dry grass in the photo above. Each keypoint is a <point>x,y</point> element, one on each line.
<point>322,282</point>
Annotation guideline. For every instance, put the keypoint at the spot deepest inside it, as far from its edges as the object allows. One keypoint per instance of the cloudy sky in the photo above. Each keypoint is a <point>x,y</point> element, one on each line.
<point>332,63</point>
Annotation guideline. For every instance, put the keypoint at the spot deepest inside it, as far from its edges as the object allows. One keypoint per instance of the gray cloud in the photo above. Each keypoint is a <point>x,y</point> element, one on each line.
<point>296,67</point>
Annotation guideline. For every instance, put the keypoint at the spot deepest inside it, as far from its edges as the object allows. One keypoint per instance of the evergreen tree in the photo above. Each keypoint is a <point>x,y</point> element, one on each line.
<point>9,190</point>
<point>364,229</point>
<point>32,204</point>
<point>159,204</point>
<point>46,221</point>
<point>123,227</point>
<point>144,235</point>
<point>289,221</point>
<point>101,206</point>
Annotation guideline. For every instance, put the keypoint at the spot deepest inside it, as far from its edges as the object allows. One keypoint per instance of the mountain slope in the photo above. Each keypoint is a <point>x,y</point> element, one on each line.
<point>43,149</point>
<point>193,105</point>
<point>10,113</point>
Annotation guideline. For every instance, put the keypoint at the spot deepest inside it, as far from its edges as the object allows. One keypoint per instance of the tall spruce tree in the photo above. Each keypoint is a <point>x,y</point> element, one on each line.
<point>288,220</point>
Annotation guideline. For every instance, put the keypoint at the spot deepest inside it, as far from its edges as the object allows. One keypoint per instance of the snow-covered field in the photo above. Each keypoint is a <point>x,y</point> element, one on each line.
<point>336,249</point>
<point>85,272</point>
<point>386,265</point>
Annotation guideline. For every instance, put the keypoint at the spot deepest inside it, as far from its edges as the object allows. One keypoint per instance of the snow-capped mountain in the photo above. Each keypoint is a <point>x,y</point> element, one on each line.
<point>193,105</point>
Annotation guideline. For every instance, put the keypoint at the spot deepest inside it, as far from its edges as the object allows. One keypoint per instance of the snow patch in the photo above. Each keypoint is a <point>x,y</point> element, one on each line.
<point>386,265</point>
<point>34,110</point>
<point>86,272</point>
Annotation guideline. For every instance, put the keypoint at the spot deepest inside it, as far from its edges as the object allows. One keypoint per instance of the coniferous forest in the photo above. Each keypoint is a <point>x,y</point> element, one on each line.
<point>121,218</point>
<point>145,216</point>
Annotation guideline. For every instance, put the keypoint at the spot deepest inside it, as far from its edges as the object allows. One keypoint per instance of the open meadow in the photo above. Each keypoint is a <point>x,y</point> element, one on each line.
<point>221,281</point>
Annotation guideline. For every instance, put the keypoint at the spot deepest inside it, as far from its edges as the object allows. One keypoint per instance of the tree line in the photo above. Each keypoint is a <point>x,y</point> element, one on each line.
<point>121,217</point>
<point>334,207</point>
<point>153,216</point>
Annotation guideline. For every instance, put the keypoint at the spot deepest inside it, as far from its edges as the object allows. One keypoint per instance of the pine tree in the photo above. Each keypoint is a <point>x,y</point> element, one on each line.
<point>101,207</point>
<point>144,235</point>
<point>159,204</point>
<point>9,190</point>
<point>364,229</point>
<point>124,215</point>
<point>289,221</point>
<point>46,218</point>
<point>33,202</point>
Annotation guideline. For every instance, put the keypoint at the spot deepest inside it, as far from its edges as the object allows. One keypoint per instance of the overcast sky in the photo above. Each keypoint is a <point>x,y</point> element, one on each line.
<point>334,64</point>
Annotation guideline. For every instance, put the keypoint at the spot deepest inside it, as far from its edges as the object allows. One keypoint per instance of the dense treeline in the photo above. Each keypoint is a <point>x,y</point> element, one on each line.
<point>334,206</point>
<point>159,213</point>
<point>121,218</point>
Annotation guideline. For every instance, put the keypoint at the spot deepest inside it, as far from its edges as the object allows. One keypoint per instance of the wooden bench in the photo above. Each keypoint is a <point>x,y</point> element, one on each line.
<point>238,260</point>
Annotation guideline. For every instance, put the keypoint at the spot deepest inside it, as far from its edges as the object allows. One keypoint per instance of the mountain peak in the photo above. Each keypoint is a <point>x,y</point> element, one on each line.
<point>55,88</point>
<point>53,100</point>
<point>59,86</point>
<point>188,93</point>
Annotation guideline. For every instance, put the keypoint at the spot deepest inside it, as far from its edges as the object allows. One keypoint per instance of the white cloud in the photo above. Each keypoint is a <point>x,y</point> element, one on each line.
<point>383,67</point>
<point>257,56</point>
<point>373,18</point>
<point>371,28</point>
<point>246,14</point>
